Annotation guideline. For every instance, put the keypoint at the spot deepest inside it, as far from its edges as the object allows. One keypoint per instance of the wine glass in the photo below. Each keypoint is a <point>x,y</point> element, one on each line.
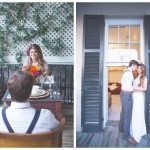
<point>50,79</point>
<point>42,80</point>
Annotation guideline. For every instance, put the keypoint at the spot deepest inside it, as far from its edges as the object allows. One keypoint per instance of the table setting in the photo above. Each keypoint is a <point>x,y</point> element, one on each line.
<point>44,89</point>
<point>37,92</point>
<point>45,86</point>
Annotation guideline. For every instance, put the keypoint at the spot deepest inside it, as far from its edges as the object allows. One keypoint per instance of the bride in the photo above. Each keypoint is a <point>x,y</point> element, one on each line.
<point>138,127</point>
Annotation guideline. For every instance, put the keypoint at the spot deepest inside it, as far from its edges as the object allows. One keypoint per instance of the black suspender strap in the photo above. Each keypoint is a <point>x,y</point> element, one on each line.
<point>31,127</point>
<point>34,121</point>
<point>6,121</point>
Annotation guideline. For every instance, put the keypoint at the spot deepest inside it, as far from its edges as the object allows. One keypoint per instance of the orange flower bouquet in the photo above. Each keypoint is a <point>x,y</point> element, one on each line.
<point>34,71</point>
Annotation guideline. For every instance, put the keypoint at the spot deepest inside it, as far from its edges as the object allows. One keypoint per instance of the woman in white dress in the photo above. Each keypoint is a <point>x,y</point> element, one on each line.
<point>138,126</point>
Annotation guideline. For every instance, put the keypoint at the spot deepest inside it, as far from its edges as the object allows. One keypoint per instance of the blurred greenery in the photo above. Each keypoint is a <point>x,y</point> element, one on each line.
<point>17,15</point>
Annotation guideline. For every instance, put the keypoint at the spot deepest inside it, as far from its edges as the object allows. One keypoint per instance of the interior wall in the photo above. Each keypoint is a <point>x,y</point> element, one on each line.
<point>115,73</point>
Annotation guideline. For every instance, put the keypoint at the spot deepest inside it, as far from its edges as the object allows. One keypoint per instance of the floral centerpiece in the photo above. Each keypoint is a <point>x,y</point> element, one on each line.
<point>35,71</point>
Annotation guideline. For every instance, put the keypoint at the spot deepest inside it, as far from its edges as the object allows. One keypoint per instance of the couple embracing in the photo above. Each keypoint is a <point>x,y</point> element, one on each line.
<point>132,117</point>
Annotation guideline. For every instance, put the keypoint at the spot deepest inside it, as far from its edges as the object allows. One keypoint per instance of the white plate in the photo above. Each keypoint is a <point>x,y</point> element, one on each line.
<point>40,92</point>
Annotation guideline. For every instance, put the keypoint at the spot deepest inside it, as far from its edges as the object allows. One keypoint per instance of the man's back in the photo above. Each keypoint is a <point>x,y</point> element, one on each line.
<point>20,116</point>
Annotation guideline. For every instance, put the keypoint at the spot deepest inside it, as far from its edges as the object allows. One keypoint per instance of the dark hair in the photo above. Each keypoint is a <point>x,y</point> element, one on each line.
<point>40,55</point>
<point>133,62</point>
<point>20,85</point>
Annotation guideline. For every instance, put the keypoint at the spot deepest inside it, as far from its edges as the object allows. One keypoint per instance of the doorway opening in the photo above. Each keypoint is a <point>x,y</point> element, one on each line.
<point>114,89</point>
<point>123,42</point>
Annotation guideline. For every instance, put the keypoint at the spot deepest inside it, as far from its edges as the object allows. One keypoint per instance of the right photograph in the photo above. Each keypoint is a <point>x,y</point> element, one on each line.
<point>112,72</point>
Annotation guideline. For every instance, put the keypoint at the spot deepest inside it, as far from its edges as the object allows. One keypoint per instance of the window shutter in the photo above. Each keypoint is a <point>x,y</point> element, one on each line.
<point>92,117</point>
<point>147,54</point>
<point>92,37</point>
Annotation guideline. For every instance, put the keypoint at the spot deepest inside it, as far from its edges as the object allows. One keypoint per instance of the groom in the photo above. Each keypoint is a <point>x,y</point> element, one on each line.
<point>127,102</point>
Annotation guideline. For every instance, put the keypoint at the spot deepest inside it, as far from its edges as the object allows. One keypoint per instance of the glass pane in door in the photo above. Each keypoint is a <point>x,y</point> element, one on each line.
<point>136,48</point>
<point>113,46</point>
<point>123,34</point>
<point>113,34</point>
<point>123,46</point>
<point>134,33</point>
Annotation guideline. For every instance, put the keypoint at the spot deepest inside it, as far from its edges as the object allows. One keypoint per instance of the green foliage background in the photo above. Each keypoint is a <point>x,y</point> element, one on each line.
<point>16,16</point>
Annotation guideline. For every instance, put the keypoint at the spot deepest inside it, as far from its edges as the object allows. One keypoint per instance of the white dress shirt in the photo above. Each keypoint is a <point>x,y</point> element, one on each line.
<point>127,80</point>
<point>20,116</point>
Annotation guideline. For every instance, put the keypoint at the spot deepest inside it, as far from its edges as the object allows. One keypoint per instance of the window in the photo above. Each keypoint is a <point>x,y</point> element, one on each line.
<point>124,42</point>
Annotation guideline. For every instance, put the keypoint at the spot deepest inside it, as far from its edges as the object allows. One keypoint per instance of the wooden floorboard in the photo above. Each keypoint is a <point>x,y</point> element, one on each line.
<point>109,137</point>
<point>67,110</point>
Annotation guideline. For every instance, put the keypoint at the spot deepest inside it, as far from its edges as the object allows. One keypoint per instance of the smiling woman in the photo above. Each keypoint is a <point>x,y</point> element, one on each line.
<point>36,64</point>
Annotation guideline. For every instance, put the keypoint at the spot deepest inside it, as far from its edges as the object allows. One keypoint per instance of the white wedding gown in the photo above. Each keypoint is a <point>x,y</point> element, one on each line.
<point>138,127</point>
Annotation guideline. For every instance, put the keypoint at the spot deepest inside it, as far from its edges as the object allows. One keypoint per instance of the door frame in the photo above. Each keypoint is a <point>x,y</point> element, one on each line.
<point>116,21</point>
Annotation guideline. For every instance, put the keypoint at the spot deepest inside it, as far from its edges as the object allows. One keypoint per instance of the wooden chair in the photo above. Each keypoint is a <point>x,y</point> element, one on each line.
<point>45,139</point>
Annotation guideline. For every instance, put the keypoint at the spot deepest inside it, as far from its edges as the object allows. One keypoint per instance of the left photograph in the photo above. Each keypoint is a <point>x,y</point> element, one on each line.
<point>36,74</point>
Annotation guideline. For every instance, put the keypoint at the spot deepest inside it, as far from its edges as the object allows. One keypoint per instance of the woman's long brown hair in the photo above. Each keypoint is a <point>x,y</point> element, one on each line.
<point>143,73</point>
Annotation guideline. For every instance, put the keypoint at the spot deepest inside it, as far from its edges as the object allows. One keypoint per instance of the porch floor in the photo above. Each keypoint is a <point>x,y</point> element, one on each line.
<point>110,137</point>
<point>115,108</point>
<point>67,139</point>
